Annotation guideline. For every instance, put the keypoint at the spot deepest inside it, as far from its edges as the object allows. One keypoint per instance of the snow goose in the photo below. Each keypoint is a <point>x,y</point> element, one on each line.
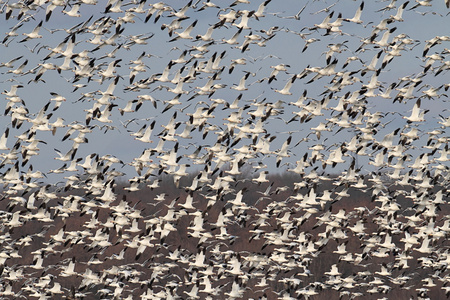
<point>357,17</point>
<point>416,114</point>
<point>398,16</point>
<point>287,87</point>
<point>34,34</point>
<point>186,34</point>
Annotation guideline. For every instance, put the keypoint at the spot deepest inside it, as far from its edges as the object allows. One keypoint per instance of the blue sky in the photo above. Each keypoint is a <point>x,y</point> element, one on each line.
<point>285,47</point>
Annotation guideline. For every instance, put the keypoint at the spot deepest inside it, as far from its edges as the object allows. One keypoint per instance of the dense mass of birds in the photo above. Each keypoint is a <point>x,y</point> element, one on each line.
<point>142,142</point>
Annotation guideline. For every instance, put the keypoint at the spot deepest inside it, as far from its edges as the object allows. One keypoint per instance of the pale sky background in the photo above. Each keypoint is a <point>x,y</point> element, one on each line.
<point>286,47</point>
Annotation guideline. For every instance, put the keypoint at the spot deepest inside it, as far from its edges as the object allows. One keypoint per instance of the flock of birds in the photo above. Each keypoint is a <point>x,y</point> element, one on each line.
<point>238,149</point>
